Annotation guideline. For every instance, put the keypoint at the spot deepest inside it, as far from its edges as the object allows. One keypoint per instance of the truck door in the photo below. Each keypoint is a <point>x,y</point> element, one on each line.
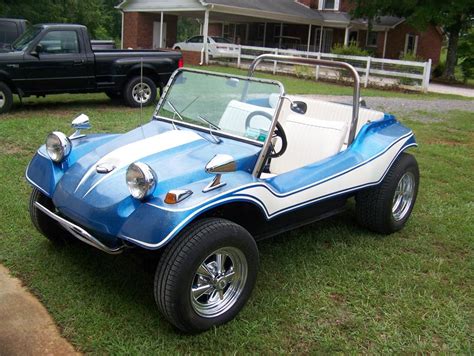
<point>59,64</point>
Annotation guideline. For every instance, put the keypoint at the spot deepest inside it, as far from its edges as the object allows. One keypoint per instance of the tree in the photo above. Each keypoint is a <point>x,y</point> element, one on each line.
<point>456,17</point>
<point>100,16</point>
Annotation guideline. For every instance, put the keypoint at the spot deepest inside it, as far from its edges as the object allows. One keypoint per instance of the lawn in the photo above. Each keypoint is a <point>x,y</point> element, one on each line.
<point>328,287</point>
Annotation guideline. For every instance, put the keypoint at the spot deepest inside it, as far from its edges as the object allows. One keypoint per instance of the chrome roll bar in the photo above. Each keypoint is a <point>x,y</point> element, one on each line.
<point>323,63</point>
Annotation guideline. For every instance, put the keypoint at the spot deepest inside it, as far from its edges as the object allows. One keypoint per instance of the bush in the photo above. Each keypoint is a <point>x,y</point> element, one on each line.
<point>304,72</point>
<point>439,70</point>
<point>466,55</point>
<point>352,50</point>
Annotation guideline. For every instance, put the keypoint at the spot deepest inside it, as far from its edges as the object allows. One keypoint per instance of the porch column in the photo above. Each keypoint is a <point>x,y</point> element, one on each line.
<point>161,30</point>
<point>264,34</point>
<point>309,38</point>
<point>385,43</point>
<point>121,36</point>
<point>205,33</point>
<point>346,36</point>
<point>321,39</point>
<point>281,34</point>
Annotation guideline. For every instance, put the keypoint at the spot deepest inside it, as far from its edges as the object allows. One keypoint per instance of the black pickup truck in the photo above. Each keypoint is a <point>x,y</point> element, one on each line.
<point>58,58</point>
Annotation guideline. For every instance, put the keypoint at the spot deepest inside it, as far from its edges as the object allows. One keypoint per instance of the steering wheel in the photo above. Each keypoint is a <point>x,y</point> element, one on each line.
<point>279,132</point>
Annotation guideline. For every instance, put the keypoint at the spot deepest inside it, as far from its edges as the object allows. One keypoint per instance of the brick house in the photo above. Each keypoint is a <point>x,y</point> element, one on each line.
<point>309,25</point>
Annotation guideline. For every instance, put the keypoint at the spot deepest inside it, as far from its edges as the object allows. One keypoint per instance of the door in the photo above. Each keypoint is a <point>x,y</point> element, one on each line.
<point>157,41</point>
<point>60,64</point>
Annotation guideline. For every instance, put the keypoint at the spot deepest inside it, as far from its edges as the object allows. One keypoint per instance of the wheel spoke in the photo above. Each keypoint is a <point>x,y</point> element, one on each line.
<point>199,291</point>
<point>204,271</point>
<point>228,276</point>
<point>221,294</point>
<point>220,260</point>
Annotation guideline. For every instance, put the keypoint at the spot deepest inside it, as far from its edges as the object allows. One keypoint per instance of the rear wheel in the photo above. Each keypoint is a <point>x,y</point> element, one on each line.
<point>139,92</point>
<point>6,98</point>
<point>387,207</point>
<point>206,275</point>
<point>42,222</point>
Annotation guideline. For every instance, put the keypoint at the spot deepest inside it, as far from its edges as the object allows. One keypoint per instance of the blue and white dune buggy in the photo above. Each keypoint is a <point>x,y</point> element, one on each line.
<point>225,161</point>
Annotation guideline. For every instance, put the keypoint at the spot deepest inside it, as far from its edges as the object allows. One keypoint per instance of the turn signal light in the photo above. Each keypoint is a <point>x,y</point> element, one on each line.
<point>175,196</point>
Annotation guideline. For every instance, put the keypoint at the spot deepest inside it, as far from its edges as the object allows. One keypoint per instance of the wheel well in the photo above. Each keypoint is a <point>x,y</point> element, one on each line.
<point>245,214</point>
<point>10,84</point>
<point>147,72</point>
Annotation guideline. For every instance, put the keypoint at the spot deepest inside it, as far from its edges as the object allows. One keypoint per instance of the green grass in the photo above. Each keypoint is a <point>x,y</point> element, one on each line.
<point>328,287</point>
<point>294,85</point>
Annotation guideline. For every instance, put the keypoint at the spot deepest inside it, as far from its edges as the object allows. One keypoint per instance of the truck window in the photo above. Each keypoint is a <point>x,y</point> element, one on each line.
<point>60,42</point>
<point>8,32</point>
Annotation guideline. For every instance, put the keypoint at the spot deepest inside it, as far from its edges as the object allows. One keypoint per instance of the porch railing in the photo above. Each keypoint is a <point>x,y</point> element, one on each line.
<point>378,71</point>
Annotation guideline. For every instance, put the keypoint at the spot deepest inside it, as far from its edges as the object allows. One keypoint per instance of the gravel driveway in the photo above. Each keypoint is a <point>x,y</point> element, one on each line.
<point>415,109</point>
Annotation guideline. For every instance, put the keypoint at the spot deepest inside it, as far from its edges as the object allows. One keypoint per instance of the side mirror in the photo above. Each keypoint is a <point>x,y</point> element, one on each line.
<point>81,122</point>
<point>218,165</point>
<point>38,49</point>
<point>299,107</point>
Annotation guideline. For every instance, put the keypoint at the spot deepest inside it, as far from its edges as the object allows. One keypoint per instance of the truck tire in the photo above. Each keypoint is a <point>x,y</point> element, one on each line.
<point>131,92</point>
<point>386,207</point>
<point>206,275</point>
<point>43,223</point>
<point>6,98</point>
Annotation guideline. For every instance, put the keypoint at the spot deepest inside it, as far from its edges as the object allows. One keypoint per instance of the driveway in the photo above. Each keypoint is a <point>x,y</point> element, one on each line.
<point>26,327</point>
<point>449,89</point>
<point>415,109</point>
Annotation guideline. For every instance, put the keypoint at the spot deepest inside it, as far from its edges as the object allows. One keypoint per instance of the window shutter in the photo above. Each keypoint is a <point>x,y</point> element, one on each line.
<point>336,5</point>
<point>320,4</point>
<point>416,45</point>
<point>406,43</point>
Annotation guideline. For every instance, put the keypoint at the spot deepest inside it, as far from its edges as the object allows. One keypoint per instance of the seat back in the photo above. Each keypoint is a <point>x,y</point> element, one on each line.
<point>236,113</point>
<point>309,140</point>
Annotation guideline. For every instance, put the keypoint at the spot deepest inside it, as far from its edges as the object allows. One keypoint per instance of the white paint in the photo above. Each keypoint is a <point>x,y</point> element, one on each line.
<point>159,34</point>
<point>205,35</point>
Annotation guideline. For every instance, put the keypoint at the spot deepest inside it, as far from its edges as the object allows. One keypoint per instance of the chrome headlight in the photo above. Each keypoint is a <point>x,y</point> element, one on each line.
<point>141,180</point>
<point>58,146</point>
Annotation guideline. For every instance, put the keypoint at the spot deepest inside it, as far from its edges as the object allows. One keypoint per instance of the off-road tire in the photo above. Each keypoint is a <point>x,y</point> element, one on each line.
<point>374,205</point>
<point>179,262</point>
<point>42,222</point>
<point>6,98</point>
<point>128,91</point>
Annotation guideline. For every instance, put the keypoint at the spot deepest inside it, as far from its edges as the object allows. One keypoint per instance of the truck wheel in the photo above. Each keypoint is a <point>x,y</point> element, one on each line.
<point>6,98</point>
<point>386,207</point>
<point>206,275</point>
<point>136,91</point>
<point>42,222</point>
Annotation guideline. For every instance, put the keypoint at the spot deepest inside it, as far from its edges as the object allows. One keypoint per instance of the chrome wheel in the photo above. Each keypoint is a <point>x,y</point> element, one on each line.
<point>403,198</point>
<point>2,99</point>
<point>141,93</point>
<point>218,282</point>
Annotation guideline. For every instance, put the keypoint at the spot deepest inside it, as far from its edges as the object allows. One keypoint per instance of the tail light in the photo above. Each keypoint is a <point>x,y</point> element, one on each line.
<point>180,63</point>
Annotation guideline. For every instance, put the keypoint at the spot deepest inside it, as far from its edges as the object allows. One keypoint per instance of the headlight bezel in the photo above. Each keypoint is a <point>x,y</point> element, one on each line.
<point>63,146</point>
<point>144,189</point>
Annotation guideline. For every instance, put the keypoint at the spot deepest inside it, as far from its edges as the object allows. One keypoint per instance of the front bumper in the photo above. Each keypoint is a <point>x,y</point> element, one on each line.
<point>79,233</point>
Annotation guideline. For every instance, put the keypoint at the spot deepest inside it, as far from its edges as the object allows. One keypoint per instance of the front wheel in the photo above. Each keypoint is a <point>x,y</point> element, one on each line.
<point>386,207</point>
<point>139,91</point>
<point>42,222</point>
<point>6,98</point>
<point>206,275</point>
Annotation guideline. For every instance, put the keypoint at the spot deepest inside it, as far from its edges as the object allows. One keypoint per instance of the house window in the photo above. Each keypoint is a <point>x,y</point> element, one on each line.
<point>411,43</point>
<point>353,36</point>
<point>328,4</point>
<point>261,31</point>
<point>228,31</point>
<point>372,39</point>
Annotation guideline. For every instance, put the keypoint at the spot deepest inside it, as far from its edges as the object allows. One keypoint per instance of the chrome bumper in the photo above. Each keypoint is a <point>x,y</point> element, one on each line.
<point>79,233</point>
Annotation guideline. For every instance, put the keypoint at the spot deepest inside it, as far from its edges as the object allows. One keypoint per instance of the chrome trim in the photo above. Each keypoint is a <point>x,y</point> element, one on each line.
<point>221,163</point>
<point>214,184</point>
<point>180,194</point>
<point>149,176</point>
<point>81,122</point>
<point>79,233</point>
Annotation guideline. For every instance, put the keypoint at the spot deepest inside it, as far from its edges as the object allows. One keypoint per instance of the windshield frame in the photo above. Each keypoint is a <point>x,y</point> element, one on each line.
<point>211,130</point>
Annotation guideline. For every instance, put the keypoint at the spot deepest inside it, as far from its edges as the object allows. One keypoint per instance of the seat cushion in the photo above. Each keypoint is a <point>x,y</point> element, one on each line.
<point>236,113</point>
<point>309,140</point>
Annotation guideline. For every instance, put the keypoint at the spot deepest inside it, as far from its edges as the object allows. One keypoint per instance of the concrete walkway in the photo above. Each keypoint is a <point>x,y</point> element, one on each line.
<point>26,328</point>
<point>448,89</point>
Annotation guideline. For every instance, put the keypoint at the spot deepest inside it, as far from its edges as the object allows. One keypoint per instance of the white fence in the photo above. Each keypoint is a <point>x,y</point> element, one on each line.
<point>373,70</point>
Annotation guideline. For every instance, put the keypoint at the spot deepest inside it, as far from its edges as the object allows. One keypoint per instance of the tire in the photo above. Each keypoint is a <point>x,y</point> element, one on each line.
<point>378,210</point>
<point>114,95</point>
<point>6,98</point>
<point>177,48</point>
<point>131,92</point>
<point>177,273</point>
<point>42,222</point>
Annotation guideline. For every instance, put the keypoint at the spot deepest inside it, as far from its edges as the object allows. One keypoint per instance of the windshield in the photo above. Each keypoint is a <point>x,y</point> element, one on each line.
<point>221,40</point>
<point>238,106</point>
<point>25,39</point>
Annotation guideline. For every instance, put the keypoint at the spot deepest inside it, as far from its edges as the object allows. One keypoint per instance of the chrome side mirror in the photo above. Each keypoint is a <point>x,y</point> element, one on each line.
<point>81,122</point>
<point>218,165</point>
